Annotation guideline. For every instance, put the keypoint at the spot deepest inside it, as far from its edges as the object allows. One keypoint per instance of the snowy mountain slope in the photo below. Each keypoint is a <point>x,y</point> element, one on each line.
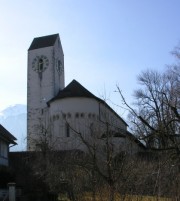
<point>13,119</point>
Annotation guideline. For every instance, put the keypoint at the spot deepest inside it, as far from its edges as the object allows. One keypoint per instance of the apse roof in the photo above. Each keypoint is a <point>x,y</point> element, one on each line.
<point>44,41</point>
<point>75,89</point>
<point>6,135</point>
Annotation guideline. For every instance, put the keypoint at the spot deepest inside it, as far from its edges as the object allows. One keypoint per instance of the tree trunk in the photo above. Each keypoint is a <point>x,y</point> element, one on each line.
<point>111,192</point>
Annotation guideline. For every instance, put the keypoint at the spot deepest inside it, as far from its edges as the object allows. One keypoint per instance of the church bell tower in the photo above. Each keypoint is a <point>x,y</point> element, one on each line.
<point>45,79</point>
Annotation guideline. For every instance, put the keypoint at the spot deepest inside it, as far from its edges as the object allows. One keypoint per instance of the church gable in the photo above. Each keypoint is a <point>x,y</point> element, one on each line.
<point>74,89</point>
<point>44,41</point>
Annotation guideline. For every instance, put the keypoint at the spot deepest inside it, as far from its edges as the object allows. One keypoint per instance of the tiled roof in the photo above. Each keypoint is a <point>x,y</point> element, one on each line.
<point>6,135</point>
<point>75,89</point>
<point>44,41</point>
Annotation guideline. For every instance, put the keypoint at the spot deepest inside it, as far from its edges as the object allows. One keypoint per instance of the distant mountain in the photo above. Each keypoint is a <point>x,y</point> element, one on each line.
<point>13,118</point>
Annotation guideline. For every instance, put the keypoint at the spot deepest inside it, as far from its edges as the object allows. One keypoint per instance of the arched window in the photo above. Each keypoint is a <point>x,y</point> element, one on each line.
<point>64,116</point>
<point>91,127</point>
<point>77,115</point>
<point>69,115</point>
<point>67,130</point>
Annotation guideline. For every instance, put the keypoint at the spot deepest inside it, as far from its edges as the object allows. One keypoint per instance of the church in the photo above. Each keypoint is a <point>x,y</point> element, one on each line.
<point>67,117</point>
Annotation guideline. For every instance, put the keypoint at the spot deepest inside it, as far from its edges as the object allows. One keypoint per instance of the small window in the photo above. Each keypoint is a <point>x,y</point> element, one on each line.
<point>82,115</point>
<point>77,115</point>
<point>91,128</point>
<point>67,130</point>
<point>69,115</point>
<point>59,64</point>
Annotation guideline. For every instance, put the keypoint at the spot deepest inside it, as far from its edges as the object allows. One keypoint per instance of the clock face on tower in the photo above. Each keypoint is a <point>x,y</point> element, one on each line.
<point>40,63</point>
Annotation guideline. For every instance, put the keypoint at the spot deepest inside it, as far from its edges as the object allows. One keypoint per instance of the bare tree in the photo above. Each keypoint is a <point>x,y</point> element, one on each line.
<point>104,160</point>
<point>155,117</point>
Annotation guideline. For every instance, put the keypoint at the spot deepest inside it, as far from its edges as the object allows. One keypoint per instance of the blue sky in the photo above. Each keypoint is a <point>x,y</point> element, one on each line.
<point>105,42</point>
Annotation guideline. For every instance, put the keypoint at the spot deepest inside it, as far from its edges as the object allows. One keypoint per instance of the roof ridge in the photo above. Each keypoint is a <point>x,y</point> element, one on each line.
<point>43,41</point>
<point>7,135</point>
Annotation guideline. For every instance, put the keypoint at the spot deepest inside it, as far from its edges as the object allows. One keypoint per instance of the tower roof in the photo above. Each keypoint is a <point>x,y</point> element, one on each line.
<point>44,41</point>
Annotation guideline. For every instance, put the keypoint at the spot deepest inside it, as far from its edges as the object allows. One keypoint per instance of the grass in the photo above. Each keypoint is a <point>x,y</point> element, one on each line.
<point>87,197</point>
<point>104,197</point>
<point>144,198</point>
